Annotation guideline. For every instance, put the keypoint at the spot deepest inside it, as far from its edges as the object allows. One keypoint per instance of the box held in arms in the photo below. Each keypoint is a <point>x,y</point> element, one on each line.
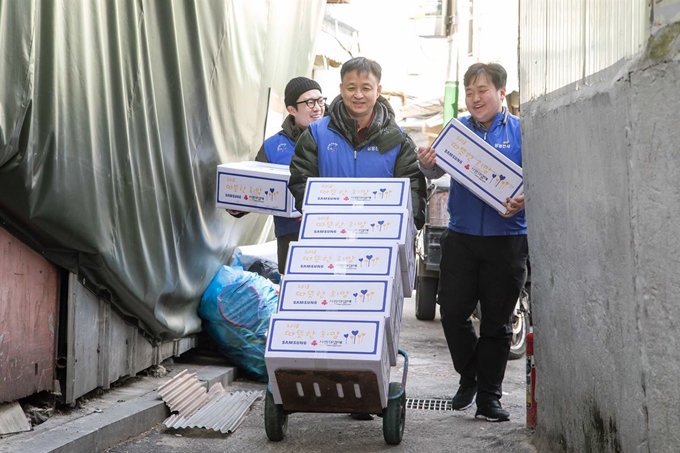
<point>321,359</point>
<point>338,257</point>
<point>255,187</point>
<point>346,296</point>
<point>477,165</point>
<point>329,193</point>
<point>360,225</point>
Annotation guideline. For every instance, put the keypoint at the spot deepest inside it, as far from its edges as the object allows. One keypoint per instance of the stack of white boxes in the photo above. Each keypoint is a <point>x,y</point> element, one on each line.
<point>346,277</point>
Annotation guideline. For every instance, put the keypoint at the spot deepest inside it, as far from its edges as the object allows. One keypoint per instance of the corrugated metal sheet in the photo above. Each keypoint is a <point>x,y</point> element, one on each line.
<point>223,413</point>
<point>198,408</point>
<point>184,393</point>
<point>567,42</point>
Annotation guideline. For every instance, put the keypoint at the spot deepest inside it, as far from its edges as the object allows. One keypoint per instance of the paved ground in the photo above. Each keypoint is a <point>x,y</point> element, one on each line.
<point>430,376</point>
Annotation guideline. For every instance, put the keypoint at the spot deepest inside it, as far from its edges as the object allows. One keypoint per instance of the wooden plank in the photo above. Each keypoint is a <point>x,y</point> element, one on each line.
<point>28,320</point>
<point>12,419</point>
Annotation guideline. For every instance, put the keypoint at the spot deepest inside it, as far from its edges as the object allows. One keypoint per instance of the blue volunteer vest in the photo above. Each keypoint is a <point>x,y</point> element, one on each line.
<point>469,214</point>
<point>279,149</point>
<point>338,159</point>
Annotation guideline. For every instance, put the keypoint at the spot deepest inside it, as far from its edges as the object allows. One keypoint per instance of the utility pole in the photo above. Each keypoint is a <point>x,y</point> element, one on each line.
<point>451,85</point>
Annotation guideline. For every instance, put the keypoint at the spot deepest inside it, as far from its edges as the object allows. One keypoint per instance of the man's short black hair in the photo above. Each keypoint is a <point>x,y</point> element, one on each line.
<point>361,65</point>
<point>493,71</point>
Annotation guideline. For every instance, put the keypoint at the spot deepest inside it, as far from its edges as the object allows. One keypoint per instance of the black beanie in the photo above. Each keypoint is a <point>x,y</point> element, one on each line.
<point>298,86</point>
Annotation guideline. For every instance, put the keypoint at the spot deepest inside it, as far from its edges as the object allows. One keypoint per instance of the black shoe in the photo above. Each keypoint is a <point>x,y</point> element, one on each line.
<point>362,416</point>
<point>492,412</point>
<point>464,397</point>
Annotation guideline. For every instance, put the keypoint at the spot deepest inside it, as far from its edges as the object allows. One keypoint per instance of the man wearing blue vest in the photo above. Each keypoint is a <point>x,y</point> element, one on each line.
<point>358,139</point>
<point>483,254</point>
<point>304,104</point>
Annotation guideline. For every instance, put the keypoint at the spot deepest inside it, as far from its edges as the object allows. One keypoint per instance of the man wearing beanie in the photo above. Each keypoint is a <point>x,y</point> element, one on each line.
<point>304,104</point>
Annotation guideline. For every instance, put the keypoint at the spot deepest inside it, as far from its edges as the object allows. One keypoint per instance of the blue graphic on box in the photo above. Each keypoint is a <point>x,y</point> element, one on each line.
<point>352,225</point>
<point>319,296</point>
<point>494,176</point>
<point>344,192</point>
<point>322,335</point>
<point>260,192</point>
<point>317,259</point>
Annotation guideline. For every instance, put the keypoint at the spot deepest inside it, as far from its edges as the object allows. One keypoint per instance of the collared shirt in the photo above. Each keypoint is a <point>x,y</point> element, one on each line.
<point>362,132</point>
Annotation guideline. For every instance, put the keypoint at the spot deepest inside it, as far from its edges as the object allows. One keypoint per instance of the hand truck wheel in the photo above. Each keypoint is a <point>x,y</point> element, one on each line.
<point>394,417</point>
<point>275,420</point>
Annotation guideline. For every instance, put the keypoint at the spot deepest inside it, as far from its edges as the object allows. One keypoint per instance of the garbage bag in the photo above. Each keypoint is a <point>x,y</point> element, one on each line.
<point>246,255</point>
<point>236,307</point>
<point>267,269</point>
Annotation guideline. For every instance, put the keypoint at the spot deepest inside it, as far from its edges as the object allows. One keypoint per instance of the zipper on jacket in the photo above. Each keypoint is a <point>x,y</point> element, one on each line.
<point>355,163</point>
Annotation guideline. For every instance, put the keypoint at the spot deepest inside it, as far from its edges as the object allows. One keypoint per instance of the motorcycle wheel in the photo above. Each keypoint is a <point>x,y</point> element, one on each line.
<point>518,345</point>
<point>520,328</point>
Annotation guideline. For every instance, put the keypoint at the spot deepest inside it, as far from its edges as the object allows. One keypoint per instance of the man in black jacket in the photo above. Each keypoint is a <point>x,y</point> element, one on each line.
<point>359,138</point>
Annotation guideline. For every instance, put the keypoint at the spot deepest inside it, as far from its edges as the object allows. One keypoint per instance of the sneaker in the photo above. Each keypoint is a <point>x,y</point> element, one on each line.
<point>357,416</point>
<point>492,412</point>
<point>463,397</point>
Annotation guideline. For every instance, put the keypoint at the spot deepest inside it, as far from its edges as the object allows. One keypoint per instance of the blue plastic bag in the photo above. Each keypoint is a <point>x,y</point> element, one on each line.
<point>236,308</point>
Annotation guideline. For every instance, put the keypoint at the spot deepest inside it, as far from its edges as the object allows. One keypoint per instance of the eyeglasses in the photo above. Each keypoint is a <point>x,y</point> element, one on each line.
<point>321,102</point>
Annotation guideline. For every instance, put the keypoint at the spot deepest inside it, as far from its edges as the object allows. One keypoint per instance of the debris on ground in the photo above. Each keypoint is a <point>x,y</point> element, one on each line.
<point>196,407</point>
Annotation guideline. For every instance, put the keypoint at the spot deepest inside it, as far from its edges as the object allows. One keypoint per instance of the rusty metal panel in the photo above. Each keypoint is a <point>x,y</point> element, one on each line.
<point>28,320</point>
<point>572,42</point>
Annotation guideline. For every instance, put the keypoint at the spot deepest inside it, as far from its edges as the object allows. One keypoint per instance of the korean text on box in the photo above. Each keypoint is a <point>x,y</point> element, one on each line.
<point>325,343</point>
<point>479,167</point>
<point>346,296</point>
<point>394,224</point>
<point>336,257</point>
<point>255,187</point>
<point>325,193</point>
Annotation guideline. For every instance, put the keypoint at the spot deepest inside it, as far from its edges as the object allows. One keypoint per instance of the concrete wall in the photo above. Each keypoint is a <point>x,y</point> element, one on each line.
<point>602,169</point>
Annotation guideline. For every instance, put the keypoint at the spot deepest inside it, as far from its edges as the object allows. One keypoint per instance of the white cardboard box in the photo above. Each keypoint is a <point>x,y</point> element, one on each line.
<point>252,186</point>
<point>409,277</point>
<point>327,343</point>
<point>477,165</point>
<point>363,225</point>
<point>328,193</point>
<point>336,257</point>
<point>346,296</point>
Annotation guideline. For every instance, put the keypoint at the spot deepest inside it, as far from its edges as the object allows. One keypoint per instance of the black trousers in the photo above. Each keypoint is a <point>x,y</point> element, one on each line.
<point>282,243</point>
<point>491,270</point>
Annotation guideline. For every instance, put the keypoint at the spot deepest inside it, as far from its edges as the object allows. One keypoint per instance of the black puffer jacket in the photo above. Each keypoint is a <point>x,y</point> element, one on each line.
<point>383,133</point>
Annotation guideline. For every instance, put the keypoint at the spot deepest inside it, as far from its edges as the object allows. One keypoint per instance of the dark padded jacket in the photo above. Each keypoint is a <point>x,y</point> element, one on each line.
<point>278,149</point>
<point>383,133</point>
